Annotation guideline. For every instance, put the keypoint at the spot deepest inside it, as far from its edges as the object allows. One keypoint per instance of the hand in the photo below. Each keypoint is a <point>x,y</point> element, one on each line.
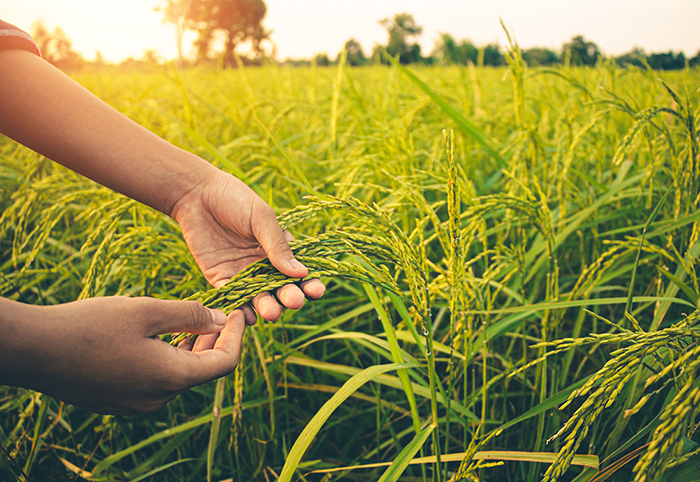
<point>104,355</point>
<point>228,227</point>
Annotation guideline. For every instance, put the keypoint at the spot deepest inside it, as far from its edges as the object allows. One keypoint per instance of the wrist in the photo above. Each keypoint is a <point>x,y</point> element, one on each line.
<point>188,176</point>
<point>203,189</point>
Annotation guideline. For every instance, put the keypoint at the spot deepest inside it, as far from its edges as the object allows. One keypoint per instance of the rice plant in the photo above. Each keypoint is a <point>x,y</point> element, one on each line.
<point>509,300</point>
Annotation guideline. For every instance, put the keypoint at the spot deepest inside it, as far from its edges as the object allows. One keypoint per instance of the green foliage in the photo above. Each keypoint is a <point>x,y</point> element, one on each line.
<point>540,56</point>
<point>401,29</point>
<point>239,20</point>
<point>487,256</point>
<point>55,47</point>
<point>581,52</point>
<point>447,51</point>
<point>355,54</point>
<point>322,60</point>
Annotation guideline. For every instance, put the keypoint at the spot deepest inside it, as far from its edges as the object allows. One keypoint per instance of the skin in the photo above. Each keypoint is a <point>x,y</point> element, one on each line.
<point>103,354</point>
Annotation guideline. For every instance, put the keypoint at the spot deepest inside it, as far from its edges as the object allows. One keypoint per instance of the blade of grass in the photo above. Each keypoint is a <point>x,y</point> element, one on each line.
<point>395,353</point>
<point>406,317</point>
<point>192,424</point>
<point>550,403</point>
<point>383,379</point>
<point>215,424</point>
<point>398,466</point>
<point>577,303</point>
<point>373,340</point>
<point>36,439</point>
<point>307,435</point>
<point>671,290</point>
<point>542,457</point>
<point>11,465</point>
<point>336,99</point>
<point>293,162</point>
<point>464,124</point>
<point>268,379</point>
<point>650,220</point>
<point>683,287</point>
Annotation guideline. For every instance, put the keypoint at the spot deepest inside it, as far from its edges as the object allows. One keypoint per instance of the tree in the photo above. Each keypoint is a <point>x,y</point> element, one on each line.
<point>540,56</point>
<point>377,57</point>
<point>636,57</point>
<point>55,47</point>
<point>667,61</point>
<point>492,55</point>
<point>322,60</point>
<point>401,28</point>
<point>238,21</point>
<point>448,51</point>
<point>581,52</point>
<point>695,61</point>
<point>177,13</point>
<point>356,55</point>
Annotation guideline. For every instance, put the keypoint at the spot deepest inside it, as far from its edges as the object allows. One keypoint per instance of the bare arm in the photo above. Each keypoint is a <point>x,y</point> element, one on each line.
<point>47,111</point>
<point>223,221</point>
<point>103,353</point>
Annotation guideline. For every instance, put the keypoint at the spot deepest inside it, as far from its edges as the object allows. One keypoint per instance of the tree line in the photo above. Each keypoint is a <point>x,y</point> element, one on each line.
<point>223,26</point>
<point>403,32</point>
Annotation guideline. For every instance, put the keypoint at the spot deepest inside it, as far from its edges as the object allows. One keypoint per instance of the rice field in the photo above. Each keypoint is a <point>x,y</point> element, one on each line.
<point>511,256</point>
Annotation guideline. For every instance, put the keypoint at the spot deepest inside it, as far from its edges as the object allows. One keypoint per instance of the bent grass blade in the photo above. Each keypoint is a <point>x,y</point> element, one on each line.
<point>309,433</point>
<point>464,124</point>
<point>402,461</point>
<point>591,461</point>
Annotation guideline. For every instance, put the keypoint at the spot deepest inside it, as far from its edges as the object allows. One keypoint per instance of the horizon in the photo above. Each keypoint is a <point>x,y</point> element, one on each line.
<point>134,26</point>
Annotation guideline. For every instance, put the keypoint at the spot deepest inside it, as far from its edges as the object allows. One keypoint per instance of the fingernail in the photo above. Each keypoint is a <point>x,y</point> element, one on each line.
<point>218,317</point>
<point>296,264</point>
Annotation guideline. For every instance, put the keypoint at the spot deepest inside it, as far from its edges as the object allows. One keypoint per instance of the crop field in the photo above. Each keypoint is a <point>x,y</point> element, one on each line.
<point>511,257</point>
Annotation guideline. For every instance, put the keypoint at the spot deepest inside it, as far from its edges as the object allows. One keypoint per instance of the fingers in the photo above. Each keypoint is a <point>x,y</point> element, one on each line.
<point>250,317</point>
<point>208,341</point>
<point>291,296</point>
<point>205,342</point>
<point>166,316</point>
<point>222,356</point>
<point>313,288</point>
<point>266,305</point>
<point>268,232</point>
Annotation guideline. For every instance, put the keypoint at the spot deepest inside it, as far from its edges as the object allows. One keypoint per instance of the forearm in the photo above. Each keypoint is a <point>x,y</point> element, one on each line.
<point>48,112</point>
<point>17,331</point>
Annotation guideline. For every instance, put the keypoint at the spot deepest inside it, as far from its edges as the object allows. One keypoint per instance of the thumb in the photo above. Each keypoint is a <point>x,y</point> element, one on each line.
<point>174,316</point>
<point>272,239</point>
<point>223,358</point>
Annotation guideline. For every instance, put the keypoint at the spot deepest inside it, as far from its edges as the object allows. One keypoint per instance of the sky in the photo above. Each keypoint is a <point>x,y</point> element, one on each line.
<point>303,28</point>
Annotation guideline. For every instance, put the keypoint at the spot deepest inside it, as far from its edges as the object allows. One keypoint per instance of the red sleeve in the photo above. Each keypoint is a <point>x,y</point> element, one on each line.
<point>13,38</point>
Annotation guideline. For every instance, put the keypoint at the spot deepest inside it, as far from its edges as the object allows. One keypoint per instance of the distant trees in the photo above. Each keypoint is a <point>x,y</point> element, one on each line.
<point>402,29</point>
<point>56,47</point>
<point>635,57</point>
<point>448,51</point>
<point>238,21</point>
<point>177,13</point>
<point>667,60</point>
<point>658,61</point>
<point>491,55</point>
<point>356,55</point>
<point>226,24</point>
<point>322,60</point>
<point>539,56</point>
<point>695,61</point>
<point>581,52</point>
